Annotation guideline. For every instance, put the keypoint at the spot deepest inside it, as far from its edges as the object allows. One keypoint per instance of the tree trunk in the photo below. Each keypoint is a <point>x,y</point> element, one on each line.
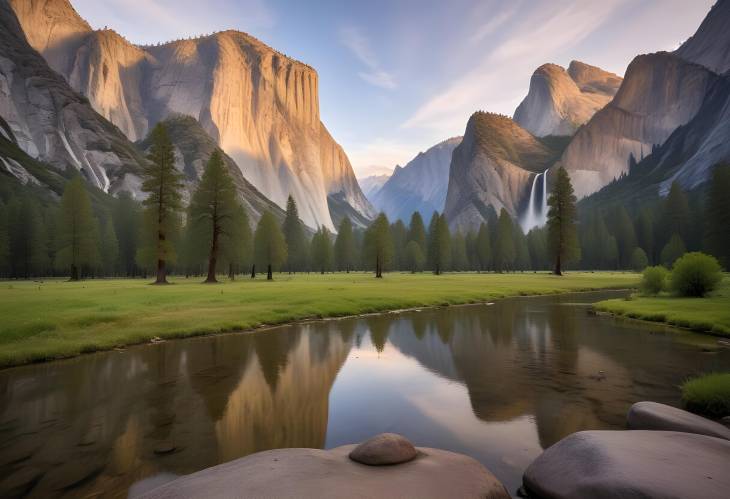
<point>437,270</point>
<point>377,267</point>
<point>231,272</point>
<point>253,271</point>
<point>557,270</point>
<point>269,275</point>
<point>74,273</point>
<point>161,274</point>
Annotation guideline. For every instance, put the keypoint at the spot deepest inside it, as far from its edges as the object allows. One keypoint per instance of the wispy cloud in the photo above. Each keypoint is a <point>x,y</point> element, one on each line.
<point>492,24</point>
<point>359,45</point>
<point>498,80</point>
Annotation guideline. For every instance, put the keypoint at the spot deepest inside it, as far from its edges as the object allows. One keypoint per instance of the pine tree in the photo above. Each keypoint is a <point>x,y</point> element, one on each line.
<point>77,245</point>
<point>109,247</point>
<point>672,250</point>
<point>27,239</point>
<point>417,231</point>
<point>163,185</point>
<point>459,261</point>
<point>718,215</point>
<point>562,234</point>
<point>522,252</point>
<point>344,250</point>
<point>4,242</point>
<point>645,233</point>
<point>238,243</point>
<point>537,246</point>
<point>505,253</point>
<point>269,245</point>
<point>439,244</point>
<point>296,240</point>
<point>127,216</point>
<point>676,217</point>
<point>379,244</point>
<point>623,230</point>
<point>213,207</point>
<point>414,258</point>
<point>322,250</point>
<point>483,248</point>
<point>399,233</point>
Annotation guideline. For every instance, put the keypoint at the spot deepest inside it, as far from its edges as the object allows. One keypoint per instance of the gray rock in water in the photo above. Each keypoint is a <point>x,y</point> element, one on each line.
<point>386,448</point>
<point>632,465</point>
<point>654,416</point>
<point>305,473</point>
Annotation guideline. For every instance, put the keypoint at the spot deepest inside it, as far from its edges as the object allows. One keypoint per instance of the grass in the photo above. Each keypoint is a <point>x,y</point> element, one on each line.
<point>708,395</point>
<point>53,319</point>
<point>706,315</point>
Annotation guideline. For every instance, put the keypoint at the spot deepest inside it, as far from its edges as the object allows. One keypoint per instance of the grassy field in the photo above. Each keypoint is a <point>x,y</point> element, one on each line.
<point>57,319</point>
<point>709,315</point>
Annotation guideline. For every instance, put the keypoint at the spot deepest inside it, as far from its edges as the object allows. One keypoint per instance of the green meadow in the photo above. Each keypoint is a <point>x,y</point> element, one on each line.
<point>53,319</point>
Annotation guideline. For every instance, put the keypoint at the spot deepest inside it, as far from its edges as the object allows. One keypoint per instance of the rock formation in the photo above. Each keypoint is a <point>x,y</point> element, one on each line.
<point>420,185</point>
<point>51,123</point>
<point>661,417</point>
<point>709,45</point>
<point>560,101</point>
<point>371,184</point>
<point>492,167</point>
<point>260,106</point>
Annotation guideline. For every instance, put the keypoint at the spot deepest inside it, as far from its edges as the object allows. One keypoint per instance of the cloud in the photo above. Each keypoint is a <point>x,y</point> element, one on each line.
<point>359,45</point>
<point>492,25</point>
<point>498,80</point>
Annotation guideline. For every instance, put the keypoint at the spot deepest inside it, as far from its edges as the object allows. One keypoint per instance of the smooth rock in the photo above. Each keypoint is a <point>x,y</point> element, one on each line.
<point>633,464</point>
<point>304,473</point>
<point>386,448</point>
<point>654,416</point>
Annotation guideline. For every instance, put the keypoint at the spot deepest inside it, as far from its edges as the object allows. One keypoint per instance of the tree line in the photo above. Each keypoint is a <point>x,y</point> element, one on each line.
<point>213,235</point>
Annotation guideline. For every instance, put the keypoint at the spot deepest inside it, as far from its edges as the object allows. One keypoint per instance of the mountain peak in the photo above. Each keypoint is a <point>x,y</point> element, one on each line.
<point>710,45</point>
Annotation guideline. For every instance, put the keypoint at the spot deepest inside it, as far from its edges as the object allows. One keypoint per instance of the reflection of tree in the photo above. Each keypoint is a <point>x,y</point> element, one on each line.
<point>379,326</point>
<point>272,351</point>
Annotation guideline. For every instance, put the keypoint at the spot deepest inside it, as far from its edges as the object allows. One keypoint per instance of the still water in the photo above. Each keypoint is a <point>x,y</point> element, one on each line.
<point>498,382</point>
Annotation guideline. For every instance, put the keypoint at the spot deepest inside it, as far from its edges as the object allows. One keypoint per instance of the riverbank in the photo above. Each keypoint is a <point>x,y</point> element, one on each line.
<point>55,319</point>
<point>710,315</point>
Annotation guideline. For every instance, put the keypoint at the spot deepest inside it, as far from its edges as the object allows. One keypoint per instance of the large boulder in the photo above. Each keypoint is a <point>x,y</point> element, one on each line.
<point>654,416</point>
<point>303,473</point>
<point>386,448</point>
<point>632,465</point>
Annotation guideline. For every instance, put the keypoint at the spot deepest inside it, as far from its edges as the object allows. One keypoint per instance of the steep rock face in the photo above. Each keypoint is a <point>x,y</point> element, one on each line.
<point>193,147</point>
<point>493,166</point>
<point>560,101</point>
<point>659,93</point>
<point>420,185</point>
<point>709,46</point>
<point>371,184</point>
<point>52,123</point>
<point>260,106</point>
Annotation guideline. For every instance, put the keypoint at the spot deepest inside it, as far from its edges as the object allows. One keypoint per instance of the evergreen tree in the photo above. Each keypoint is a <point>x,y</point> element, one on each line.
<point>504,246</point>
<point>4,242</point>
<point>109,247</point>
<point>414,257</point>
<point>718,215</point>
<point>537,246</point>
<point>471,250</point>
<point>345,257</point>
<point>322,250</point>
<point>522,252</point>
<point>672,250</point>
<point>483,248</point>
<point>238,243</point>
<point>439,244</point>
<point>562,234</point>
<point>27,242</point>
<point>269,244</point>
<point>639,261</point>
<point>611,252</point>
<point>163,185</point>
<point>399,233</point>
<point>296,240</point>
<point>623,230</point>
<point>676,217</point>
<point>645,233</point>
<point>379,244</point>
<point>77,245</point>
<point>127,216</point>
<point>417,231</point>
<point>459,261</point>
<point>213,207</point>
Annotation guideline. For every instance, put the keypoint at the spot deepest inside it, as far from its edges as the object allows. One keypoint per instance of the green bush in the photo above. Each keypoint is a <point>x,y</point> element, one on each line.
<point>695,274</point>
<point>653,280</point>
<point>639,261</point>
<point>708,395</point>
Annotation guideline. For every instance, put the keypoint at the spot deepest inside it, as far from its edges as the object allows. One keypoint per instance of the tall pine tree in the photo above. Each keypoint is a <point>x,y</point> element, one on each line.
<point>270,249</point>
<point>718,215</point>
<point>345,257</point>
<point>439,244</point>
<point>163,185</point>
<point>296,240</point>
<point>561,223</point>
<point>483,249</point>
<point>322,250</point>
<point>77,231</point>
<point>504,245</point>
<point>379,244</point>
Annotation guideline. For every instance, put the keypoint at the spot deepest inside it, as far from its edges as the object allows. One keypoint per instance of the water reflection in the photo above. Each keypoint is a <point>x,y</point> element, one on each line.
<point>497,382</point>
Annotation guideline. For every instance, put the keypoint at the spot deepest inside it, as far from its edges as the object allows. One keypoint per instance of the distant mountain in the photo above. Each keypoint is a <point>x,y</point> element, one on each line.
<point>420,185</point>
<point>259,105</point>
<point>372,184</point>
<point>493,168</point>
<point>560,101</point>
<point>709,46</point>
<point>47,124</point>
<point>193,147</point>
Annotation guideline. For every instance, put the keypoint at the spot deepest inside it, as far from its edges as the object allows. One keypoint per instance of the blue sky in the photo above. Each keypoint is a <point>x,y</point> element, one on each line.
<point>398,76</point>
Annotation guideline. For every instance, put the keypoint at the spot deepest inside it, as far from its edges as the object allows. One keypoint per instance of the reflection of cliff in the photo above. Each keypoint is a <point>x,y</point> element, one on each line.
<point>103,422</point>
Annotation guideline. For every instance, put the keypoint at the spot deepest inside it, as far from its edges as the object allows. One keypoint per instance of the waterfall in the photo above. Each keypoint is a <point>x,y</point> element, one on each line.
<point>536,215</point>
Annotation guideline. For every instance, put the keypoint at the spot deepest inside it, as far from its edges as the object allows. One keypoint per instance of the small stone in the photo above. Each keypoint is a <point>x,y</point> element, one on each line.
<point>383,449</point>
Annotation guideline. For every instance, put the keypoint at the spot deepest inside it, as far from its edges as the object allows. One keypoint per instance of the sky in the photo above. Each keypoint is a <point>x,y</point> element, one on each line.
<point>398,76</point>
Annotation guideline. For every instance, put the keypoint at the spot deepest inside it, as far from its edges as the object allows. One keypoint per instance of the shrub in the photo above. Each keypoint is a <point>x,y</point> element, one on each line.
<point>695,274</point>
<point>708,395</point>
<point>639,261</point>
<point>653,280</point>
